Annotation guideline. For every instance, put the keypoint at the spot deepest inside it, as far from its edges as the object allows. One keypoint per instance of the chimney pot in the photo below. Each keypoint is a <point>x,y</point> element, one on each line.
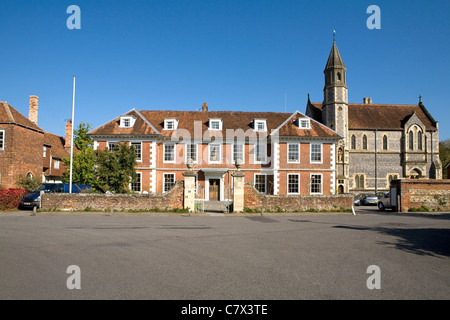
<point>33,109</point>
<point>204,107</point>
<point>367,100</point>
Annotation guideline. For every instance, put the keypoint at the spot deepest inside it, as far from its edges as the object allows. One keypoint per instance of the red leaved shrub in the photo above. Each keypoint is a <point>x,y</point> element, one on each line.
<point>10,198</point>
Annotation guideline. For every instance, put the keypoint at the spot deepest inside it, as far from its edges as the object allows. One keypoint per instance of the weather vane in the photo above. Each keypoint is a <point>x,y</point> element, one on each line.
<point>334,35</point>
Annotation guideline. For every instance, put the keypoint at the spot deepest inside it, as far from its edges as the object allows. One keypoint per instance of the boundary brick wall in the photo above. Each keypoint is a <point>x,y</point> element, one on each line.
<point>292,203</point>
<point>173,199</point>
<point>434,194</point>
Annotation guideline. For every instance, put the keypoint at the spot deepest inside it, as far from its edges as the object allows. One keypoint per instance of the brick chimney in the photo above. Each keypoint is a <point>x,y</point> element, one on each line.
<point>204,107</point>
<point>33,110</point>
<point>68,143</point>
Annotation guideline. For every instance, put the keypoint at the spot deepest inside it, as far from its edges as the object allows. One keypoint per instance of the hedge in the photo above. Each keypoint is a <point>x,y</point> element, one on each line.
<point>10,198</point>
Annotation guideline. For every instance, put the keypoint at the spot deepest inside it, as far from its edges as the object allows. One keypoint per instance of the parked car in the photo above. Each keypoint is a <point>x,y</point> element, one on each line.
<point>381,194</point>
<point>385,202</point>
<point>33,199</point>
<point>356,200</point>
<point>370,199</point>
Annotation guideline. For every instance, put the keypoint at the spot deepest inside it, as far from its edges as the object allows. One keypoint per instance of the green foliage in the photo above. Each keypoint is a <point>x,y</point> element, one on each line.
<point>115,170</point>
<point>103,170</point>
<point>444,154</point>
<point>423,208</point>
<point>83,158</point>
<point>28,183</point>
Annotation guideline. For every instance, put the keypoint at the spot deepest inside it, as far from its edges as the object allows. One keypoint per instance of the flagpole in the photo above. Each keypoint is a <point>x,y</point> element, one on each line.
<point>71,140</point>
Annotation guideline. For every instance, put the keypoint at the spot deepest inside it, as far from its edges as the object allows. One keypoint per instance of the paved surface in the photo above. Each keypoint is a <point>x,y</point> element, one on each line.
<point>307,256</point>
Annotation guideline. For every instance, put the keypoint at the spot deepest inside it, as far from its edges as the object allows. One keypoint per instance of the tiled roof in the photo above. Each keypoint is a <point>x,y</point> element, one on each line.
<point>380,116</point>
<point>197,122</point>
<point>57,145</point>
<point>10,115</point>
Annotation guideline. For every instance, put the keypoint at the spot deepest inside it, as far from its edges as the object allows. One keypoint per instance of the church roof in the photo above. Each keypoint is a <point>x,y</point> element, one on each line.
<point>334,59</point>
<point>378,116</point>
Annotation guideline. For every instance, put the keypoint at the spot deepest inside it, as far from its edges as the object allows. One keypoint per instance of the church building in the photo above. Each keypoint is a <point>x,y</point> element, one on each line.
<point>381,142</point>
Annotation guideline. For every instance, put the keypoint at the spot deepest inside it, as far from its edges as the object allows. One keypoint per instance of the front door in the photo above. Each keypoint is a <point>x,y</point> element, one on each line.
<point>214,189</point>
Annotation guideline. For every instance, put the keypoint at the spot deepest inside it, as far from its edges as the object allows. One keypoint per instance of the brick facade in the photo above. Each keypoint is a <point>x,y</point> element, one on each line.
<point>26,149</point>
<point>271,175</point>
<point>21,155</point>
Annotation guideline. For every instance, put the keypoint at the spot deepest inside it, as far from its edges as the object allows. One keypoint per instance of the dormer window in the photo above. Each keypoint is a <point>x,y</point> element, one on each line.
<point>170,124</point>
<point>127,122</point>
<point>215,124</point>
<point>260,125</point>
<point>304,123</point>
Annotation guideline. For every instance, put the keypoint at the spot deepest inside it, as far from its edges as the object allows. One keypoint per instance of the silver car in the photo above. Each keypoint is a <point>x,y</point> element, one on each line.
<point>370,199</point>
<point>385,202</point>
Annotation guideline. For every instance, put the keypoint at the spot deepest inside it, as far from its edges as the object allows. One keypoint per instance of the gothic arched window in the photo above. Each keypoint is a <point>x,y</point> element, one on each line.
<point>419,140</point>
<point>364,142</point>
<point>353,142</point>
<point>411,140</point>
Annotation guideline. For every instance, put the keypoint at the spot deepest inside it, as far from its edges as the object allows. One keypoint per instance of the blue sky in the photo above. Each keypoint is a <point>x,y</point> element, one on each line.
<point>249,55</point>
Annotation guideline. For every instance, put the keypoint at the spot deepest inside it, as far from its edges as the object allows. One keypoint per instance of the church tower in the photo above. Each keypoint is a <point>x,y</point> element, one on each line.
<point>335,113</point>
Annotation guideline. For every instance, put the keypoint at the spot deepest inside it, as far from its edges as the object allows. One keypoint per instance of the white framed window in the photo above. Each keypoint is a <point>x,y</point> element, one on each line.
<point>238,152</point>
<point>215,124</point>
<point>261,182</point>
<point>293,183</point>
<point>111,146</point>
<point>169,153</point>
<point>56,163</point>
<point>260,125</point>
<point>137,150</point>
<point>170,124</point>
<point>191,152</point>
<point>214,153</point>
<point>304,123</point>
<point>45,152</point>
<point>316,152</point>
<point>126,122</point>
<point>168,181</point>
<point>316,183</point>
<point>137,186</point>
<point>2,139</point>
<point>293,152</point>
<point>260,152</point>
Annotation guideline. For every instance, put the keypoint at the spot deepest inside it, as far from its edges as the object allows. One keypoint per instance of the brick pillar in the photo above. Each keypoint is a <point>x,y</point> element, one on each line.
<point>189,190</point>
<point>238,191</point>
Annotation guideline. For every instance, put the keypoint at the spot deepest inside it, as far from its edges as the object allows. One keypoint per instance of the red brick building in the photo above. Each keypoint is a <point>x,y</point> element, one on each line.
<point>26,149</point>
<point>281,153</point>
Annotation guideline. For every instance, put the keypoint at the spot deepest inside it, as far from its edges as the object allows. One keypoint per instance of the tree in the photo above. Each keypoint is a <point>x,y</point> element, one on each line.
<point>28,182</point>
<point>444,154</point>
<point>116,170</point>
<point>83,170</point>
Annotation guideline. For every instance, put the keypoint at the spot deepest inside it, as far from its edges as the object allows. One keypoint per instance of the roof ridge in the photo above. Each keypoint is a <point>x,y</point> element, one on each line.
<point>8,111</point>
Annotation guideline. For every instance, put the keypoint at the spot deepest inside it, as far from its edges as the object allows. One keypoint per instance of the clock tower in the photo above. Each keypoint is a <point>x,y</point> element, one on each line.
<point>335,113</point>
